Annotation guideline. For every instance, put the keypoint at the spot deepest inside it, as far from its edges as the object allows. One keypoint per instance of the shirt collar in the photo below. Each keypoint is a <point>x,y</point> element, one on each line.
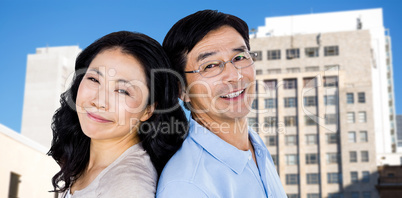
<point>224,152</point>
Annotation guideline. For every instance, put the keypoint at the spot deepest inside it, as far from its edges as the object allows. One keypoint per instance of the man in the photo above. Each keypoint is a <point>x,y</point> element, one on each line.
<point>221,157</point>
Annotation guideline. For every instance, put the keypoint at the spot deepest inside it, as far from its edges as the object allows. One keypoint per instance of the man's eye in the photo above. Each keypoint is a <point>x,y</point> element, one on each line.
<point>210,66</point>
<point>239,58</point>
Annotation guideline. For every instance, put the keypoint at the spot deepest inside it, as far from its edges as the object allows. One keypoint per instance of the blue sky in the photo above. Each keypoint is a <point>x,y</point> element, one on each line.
<point>27,25</point>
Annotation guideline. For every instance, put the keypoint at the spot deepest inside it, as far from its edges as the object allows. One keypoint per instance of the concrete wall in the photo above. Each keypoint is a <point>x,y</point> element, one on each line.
<point>22,156</point>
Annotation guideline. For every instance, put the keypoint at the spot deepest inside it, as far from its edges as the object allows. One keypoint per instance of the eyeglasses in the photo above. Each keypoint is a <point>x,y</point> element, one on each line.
<point>213,68</point>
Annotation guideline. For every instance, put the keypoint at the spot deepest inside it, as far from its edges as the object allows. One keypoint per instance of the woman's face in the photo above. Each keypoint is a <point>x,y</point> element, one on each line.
<point>112,96</point>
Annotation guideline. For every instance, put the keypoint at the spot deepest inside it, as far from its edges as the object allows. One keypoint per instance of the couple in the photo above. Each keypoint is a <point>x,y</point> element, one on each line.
<point>121,135</point>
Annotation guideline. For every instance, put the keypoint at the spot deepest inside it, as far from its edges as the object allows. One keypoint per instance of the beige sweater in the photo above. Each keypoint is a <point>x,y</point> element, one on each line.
<point>131,175</point>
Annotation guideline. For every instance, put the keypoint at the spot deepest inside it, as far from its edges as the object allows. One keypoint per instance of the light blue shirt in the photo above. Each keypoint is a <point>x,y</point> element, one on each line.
<point>207,166</point>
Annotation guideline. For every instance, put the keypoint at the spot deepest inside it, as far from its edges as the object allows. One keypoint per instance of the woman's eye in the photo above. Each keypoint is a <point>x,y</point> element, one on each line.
<point>122,91</point>
<point>93,79</point>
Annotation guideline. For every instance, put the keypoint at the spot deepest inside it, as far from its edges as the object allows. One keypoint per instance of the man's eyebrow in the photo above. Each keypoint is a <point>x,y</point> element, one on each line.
<point>205,55</point>
<point>240,49</point>
<point>96,71</point>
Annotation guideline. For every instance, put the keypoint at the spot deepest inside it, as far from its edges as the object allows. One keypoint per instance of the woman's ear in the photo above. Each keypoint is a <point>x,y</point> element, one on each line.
<point>149,110</point>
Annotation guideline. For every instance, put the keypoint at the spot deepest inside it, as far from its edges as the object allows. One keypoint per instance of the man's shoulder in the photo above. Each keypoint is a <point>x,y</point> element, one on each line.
<point>184,162</point>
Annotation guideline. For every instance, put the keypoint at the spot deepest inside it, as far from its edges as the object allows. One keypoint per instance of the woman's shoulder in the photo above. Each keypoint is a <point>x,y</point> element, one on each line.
<point>134,172</point>
<point>133,161</point>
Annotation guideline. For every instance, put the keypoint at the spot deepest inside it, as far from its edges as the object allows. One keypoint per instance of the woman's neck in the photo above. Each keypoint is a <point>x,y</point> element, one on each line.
<point>104,152</point>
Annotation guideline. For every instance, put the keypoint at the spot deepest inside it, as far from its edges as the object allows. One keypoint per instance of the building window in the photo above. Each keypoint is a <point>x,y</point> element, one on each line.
<point>332,158</point>
<point>333,178</point>
<point>310,101</point>
<point>291,159</point>
<point>313,195</point>
<point>290,102</point>
<point>289,84</point>
<point>254,104</point>
<point>252,122</point>
<point>309,82</point>
<point>293,195</point>
<point>311,139</point>
<point>291,140</point>
<point>270,140</point>
<point>290,121</point>
<point>258,55</point>
<point>270,121</point>
<point>361,97</point>
<point>354,194</point>
<point>331,51</point>
<point>352,136</point>
<point>352,156</point>
<point>330,81</point>
<point>292,53</point>
<point>354,178</point>
<point>270,103</point>
<point>330,100</point>
<point>14,185</point>
<point>313,178</point>
<point>331,119</point>
<point>349,98</point>
<point>311,52</point>
<point>366,177</point>
<point>364,156</point>
<point>366,194</point>
<point>309,121</point>
<point>275,159</point>
<point>363,136</point>
<point>335,195</point>
<point>274,71</point>
<point>332,138</point>
<point>292,179</point>
<point>258,72</point>
<point>362,117</point>
<point>350,116</point>
<point>293,70</point>
<point>270,84</point>
<point>312,158</point>
<point>331,67</point>
<point>274,54</point>
<point>312,68</point>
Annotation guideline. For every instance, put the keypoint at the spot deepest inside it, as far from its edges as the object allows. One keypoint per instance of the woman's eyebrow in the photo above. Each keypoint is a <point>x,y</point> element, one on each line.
<point>96,71</point>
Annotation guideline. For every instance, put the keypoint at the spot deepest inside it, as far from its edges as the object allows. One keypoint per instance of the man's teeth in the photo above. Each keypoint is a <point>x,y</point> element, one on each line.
<point>233,95</point>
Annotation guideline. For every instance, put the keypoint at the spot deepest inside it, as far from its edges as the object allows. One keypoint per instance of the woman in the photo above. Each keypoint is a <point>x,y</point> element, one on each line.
<point>114,131</point>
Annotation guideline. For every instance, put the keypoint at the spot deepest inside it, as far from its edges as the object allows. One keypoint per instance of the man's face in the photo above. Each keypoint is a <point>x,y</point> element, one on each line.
<point>229,95</point>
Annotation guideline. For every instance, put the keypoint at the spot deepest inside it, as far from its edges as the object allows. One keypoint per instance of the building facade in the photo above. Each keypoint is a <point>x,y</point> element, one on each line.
<point>25,171</point>
<point>399,132</point>
<point>390,181</point>
<point>325,100</point>
<point>49,73</point>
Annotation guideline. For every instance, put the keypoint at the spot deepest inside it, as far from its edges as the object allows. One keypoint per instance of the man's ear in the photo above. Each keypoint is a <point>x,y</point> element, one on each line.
<point>149,110</point>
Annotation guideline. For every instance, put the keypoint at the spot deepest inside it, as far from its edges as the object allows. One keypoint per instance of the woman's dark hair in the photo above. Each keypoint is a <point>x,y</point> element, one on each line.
<point>190,30</point>
<point>70,146</point>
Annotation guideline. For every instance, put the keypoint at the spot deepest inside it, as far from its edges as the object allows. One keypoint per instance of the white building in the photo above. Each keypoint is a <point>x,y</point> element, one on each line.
<point>25,169</point>
<point>48,74</point>
<point>382,75</point>
<point>326,103</point>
